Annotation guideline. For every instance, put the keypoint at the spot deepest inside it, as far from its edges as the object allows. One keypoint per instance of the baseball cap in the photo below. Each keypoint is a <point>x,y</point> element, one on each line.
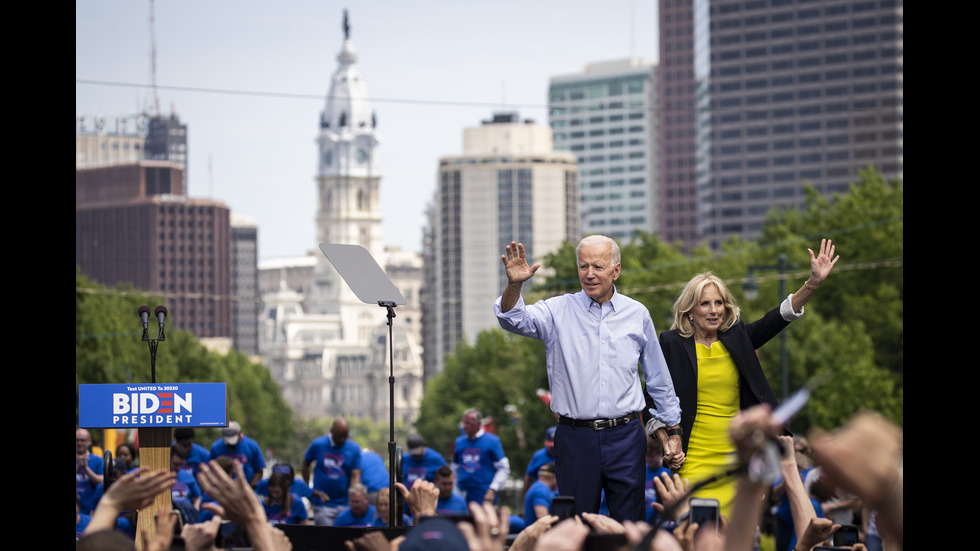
<point>435,534</point>
<point>549,437</point>
<point>416,445</point>
<point>232,433</point>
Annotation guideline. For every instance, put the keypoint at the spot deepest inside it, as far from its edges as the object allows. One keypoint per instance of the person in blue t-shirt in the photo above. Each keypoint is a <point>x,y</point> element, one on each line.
<point>420,462</point>
<point>88,471</point>
<point>540,457</point>
<point>537,501</point>
<point>374,474</point>
<point>300,488</point>
<point>336,462</point>
<point>241,448</point>
<point>479,462</point>
<point>361,513</point>
<point>196,453</point>
<point>450,503</point>
<point>655,466</point>
<point>384,511</point>
<point>281,505</point>
<point>186,492</point>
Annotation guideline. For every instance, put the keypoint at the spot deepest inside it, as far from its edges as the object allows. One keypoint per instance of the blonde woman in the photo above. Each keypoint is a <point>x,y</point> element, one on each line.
<point>711,355</point>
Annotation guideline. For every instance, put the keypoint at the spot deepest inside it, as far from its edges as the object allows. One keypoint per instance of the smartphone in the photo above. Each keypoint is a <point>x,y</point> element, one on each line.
<point>705,512</point>
<point>563,507</point>
<point>847,536</point>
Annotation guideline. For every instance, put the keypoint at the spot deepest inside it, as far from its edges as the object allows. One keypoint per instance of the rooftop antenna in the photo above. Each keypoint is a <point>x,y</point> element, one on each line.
<point>153,60</point>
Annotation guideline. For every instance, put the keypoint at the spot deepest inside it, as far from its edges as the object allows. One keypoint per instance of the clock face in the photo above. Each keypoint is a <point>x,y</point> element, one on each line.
<point>362,155</point>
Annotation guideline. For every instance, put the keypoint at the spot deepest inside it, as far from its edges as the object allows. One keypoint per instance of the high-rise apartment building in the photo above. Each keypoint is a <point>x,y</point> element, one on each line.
<point>607,117</point>
<point>507,185</point>
<point>167,141</point>
<point>245,284</point>
<point>677,189</point>
<point>785,92</point>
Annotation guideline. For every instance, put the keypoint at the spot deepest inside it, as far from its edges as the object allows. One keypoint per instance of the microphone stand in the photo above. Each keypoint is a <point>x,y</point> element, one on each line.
<point>161,313</point>
<point>154,441</point>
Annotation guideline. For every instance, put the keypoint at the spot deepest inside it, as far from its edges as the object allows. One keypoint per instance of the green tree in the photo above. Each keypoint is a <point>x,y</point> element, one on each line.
<point>109,349</point>
<point>863,300</point>
<point>867,225</point>
<point>498,371</point>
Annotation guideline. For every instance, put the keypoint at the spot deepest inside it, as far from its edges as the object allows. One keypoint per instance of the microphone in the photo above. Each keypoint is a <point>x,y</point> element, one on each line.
<point>144,313</point>
<point>161,313</point>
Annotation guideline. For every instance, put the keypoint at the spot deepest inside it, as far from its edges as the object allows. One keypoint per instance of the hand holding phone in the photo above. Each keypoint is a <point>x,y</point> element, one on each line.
<point>563,507</point>
<point>705,512</point>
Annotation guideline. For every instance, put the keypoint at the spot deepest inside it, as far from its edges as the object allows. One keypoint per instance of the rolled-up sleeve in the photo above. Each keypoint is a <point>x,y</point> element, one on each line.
<point>660,387</point>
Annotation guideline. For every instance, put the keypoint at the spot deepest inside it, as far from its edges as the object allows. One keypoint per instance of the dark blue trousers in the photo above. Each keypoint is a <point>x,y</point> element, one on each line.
<point>589,461</point>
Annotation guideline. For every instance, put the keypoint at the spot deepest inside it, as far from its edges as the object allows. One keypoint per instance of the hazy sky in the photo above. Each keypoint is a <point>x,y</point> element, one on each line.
<point>250,78</point>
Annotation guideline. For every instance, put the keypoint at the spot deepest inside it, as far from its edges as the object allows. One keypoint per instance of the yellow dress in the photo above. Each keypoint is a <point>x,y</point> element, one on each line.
<point>710,450</point>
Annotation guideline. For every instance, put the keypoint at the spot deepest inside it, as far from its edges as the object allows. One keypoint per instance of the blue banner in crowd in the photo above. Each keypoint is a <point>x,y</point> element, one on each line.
<point>152,405</point>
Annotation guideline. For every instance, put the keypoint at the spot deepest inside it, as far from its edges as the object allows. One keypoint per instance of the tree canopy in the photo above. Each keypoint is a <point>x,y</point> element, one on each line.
<point>109,350</point>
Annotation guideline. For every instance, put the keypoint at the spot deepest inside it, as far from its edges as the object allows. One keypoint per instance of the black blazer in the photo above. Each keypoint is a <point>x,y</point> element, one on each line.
<point>742,340</point>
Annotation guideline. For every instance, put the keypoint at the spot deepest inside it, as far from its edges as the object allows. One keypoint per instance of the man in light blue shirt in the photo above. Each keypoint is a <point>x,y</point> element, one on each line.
<point>595,341</point>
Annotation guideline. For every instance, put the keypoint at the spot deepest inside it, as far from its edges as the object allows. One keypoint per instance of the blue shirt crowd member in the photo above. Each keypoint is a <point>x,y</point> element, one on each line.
<point>336,462</point>
<point>479,462</point>
<point>420,462</point>
<point>241,448</point>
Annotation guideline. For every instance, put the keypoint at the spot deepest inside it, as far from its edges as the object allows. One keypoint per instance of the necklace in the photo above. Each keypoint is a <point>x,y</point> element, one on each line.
<point>705,340</point>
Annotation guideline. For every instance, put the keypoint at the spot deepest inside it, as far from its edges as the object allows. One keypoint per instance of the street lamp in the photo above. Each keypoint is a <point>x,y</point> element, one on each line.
<point>751,289</point>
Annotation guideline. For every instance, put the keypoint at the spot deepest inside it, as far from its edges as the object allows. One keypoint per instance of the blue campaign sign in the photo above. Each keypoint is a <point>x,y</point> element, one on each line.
<point>152,405</point>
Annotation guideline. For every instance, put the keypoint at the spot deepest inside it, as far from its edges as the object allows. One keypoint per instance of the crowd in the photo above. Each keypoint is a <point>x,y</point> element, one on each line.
<point>618,471</point>
<point>862,460</point>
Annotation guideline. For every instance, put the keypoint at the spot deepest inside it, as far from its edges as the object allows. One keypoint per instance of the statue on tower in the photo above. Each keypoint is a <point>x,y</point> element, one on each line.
<point>346,26</point>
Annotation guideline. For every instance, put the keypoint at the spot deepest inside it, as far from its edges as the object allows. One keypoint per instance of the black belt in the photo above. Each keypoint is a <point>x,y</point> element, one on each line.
<point>599,424</point>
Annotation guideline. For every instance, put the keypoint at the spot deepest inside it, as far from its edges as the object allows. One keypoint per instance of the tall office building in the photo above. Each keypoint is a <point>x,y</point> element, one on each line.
<point>324,346</point>
<point>677,188</point>
<point>507,185</point>
<point>607,117</point>
<point>245,284</point>
<point>786,92</point>
<point>133,224</point>
<point>167,141</point>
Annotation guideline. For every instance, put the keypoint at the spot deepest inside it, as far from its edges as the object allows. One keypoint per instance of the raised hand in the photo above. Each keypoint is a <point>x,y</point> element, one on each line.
<point>821,264</point>
<point>422,499</point>
<point>515,263</point>
<point>671,491</point>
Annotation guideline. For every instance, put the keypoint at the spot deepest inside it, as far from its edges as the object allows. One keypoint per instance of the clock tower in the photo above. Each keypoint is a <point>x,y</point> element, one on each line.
<point>348,180</point>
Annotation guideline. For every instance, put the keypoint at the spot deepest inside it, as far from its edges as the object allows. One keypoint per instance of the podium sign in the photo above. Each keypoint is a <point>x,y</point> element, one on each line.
<point>152,405</point>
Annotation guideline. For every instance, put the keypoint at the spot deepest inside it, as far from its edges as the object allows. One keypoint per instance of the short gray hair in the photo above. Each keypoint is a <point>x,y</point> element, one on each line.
<point>615,255</point>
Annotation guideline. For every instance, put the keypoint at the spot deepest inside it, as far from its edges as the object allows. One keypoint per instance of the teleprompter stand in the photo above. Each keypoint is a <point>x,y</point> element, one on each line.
<point>371,285</point>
